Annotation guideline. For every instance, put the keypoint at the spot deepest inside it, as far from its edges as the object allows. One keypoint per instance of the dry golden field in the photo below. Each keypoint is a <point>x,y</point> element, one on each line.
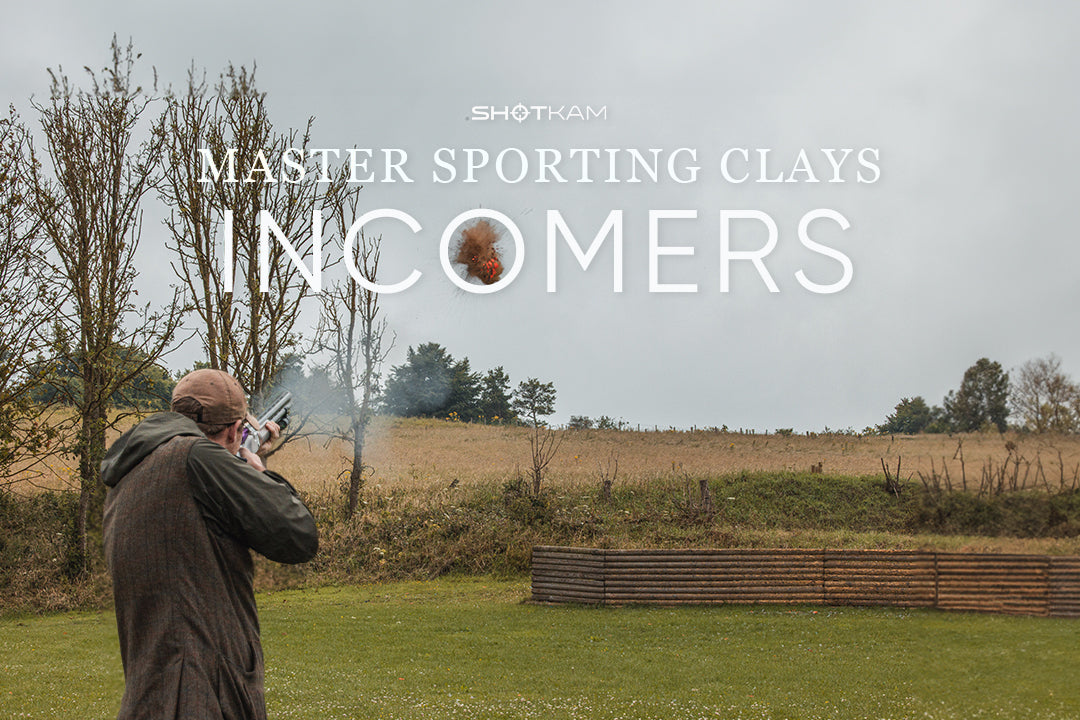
<point>414,454</point>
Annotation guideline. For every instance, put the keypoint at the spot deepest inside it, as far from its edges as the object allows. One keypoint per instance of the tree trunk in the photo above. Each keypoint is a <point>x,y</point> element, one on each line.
<point>91,491</point>
<point>536,482</point>
<point>356,473</point>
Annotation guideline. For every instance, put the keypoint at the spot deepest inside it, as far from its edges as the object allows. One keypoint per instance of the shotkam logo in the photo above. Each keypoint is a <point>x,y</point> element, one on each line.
<point>522,112</point>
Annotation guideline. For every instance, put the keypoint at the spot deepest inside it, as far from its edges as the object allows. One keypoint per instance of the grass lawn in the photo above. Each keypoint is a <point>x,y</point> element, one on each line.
<point>471,649</point>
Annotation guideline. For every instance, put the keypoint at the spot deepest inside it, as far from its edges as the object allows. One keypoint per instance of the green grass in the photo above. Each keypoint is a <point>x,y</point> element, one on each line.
<point>472,649</point>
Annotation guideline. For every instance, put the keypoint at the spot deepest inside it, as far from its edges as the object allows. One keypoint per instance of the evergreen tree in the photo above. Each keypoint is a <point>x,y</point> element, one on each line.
<point>495,396</point>
<point>533,400</point>
<point>421,386</point>
<point>432,384</point>
<point>463,401</point>
<point>982,398</point>
<point>911,416</point>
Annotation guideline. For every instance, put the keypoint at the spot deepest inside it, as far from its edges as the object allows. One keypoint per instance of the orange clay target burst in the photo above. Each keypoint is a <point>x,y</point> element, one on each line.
<point>477,252</point>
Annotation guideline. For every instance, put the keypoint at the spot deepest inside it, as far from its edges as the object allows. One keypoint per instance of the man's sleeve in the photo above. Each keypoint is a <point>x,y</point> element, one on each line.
<point>260,509</point>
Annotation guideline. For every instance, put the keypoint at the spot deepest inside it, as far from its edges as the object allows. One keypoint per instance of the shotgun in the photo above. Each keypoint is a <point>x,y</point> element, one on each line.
<point>278,412</point>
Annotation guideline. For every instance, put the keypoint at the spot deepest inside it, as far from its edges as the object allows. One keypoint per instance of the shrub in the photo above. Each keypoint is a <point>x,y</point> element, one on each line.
<point>579,422</point>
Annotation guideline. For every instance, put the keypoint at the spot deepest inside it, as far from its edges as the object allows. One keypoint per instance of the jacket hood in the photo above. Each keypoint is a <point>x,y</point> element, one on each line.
<point>133,446</point>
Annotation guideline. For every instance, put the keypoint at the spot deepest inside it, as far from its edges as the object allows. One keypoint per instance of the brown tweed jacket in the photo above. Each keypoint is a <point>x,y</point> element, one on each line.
<point>182,573</point>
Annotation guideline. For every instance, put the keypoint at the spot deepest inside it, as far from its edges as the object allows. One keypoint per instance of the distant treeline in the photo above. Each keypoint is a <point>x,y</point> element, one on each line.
<point>1039,397</point>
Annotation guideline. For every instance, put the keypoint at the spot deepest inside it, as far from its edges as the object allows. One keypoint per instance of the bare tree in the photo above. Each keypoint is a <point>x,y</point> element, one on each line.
<point>351,333</point>
<point>190,123</point>
<point>245,331</point>
<point>1044,397</point>
<point>88,204</point>
<point>608,473</point>
<point>26,430</point>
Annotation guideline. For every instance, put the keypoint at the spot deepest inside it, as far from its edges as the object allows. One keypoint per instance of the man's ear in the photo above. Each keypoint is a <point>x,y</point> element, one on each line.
<point>233,431</point>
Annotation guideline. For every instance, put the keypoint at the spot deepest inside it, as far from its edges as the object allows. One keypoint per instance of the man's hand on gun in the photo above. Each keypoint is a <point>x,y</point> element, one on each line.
<point>253,459</point>
<point>257,441</point>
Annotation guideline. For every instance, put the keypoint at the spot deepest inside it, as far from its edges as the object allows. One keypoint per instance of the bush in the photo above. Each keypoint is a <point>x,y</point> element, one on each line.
<point>580,422</point>
<point>1016,514</point>
<point>33,535</point>
<point>492,528</point>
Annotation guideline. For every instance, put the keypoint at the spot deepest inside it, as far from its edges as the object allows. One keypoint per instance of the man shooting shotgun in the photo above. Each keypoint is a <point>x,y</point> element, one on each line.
<point>182,515</point>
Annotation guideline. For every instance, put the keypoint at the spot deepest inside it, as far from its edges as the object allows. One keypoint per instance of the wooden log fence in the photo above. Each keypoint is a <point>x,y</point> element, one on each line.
<point>1011,584</point>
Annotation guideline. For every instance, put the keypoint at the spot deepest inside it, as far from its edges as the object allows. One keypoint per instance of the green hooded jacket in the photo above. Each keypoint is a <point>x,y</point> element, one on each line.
<point>182,515</point>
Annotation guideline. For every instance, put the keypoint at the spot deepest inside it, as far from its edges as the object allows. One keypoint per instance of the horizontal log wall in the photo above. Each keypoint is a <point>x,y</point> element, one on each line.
<point>1014,584</point>
<point>1064,587</point>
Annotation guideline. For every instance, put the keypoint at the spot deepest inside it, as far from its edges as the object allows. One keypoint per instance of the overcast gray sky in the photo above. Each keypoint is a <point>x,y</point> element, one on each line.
<point>964,246</point>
